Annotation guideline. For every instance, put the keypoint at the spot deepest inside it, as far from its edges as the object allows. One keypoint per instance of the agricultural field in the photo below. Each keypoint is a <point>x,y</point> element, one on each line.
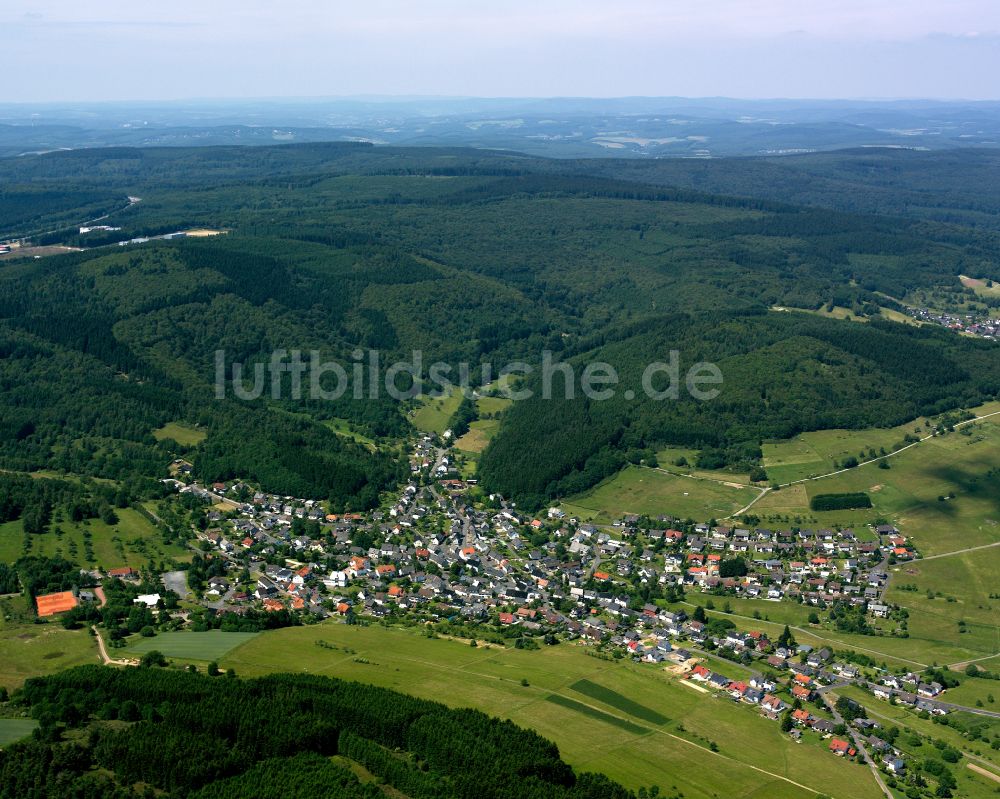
<point>981,287</point>
<point>654,492</point>
<point>660,727</point>
<point>479,435</point>
<point>205,646</point>
<point>183,434</point>
<point>33,650</point>
<point>133,541</point>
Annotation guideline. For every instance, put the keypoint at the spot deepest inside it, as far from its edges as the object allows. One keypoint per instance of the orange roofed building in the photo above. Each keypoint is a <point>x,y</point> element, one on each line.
<point>50,604</point>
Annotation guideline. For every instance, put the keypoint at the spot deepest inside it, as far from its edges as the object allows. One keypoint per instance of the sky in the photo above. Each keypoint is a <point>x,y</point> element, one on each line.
<point>65,50</point>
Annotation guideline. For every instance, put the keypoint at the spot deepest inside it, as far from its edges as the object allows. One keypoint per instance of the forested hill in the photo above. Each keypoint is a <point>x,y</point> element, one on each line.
<point>471,256</point>
<point>782,375</point>
<point>190,735</point>
<point>954,186</point>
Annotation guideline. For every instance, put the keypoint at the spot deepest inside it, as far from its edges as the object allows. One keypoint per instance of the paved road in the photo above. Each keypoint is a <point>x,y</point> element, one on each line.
<point>858,743</point>
<point>979,711</point>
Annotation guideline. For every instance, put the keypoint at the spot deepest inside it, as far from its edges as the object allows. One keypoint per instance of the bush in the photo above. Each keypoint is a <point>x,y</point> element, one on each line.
<point>153,658</point>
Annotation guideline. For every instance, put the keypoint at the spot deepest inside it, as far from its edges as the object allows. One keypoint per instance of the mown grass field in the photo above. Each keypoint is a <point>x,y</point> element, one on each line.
<point>133,541</point>
<point>12,730</point>
<point>673,755</point>
<point>641,490</point>
<point>206,646</point>
<point>183,434</point>
<point>479,435</point>
<point>32,650</point>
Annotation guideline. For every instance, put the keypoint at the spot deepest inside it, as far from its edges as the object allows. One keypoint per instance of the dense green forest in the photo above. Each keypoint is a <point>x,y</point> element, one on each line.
<point>476,256</point>
<point>191,735</point>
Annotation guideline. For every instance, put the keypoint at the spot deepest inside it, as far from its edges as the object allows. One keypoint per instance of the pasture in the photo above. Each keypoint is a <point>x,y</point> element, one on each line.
<point>206,646</point>
<point>821,451</point>
<point>932,638</point>
<point>653,492</point>
<point>483,429</point>
<point>585,692</point>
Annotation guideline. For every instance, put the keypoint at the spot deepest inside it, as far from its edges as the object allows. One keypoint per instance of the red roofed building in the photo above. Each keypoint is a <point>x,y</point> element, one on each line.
<point>841,748</point>
<point>124,573</point>
<point>801,692</point>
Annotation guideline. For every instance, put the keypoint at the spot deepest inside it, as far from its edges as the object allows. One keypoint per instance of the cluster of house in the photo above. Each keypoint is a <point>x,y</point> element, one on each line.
<point>430,550</point>
<point>911,690</point>
<point>971,324</point>
<point>431,547</point>
<point>892,758</point>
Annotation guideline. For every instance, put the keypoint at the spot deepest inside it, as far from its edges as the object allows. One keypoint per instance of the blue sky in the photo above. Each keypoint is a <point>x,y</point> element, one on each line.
<point>114,50</point>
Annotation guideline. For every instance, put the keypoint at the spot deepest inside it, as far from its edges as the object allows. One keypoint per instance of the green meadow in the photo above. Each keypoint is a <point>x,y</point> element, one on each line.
<point>653,492</point>
<point>941,491</point>
<point>12,730</point>
<point>932,638</point>
<point>183,434</point>
<point>434,413</point>
<point>207,646</point>
<point>32,650</point>
<point>657,727</point>
<point>132,541</point>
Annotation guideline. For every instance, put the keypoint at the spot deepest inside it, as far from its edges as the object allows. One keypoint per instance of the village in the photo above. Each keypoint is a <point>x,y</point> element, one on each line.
<point>434,554</point>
